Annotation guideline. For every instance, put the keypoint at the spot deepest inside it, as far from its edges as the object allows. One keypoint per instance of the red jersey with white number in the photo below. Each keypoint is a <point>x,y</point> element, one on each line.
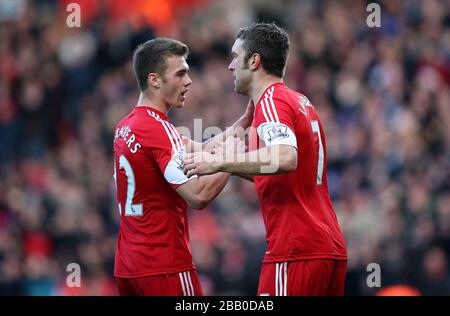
<point>296,206</point>
<point>153,237</point>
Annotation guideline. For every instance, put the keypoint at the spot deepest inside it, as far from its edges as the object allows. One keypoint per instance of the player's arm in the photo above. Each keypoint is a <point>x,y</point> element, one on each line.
<point>276,129</point>
<point>199,192</point>
<point>167,150</point>
<point>265,161</point>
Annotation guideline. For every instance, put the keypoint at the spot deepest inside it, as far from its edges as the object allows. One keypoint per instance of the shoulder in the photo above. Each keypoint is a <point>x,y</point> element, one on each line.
<point>286,95</point>
<point>162,131</point>
<point>281,97</point>
<point>276,104</point>
<point>296,101</point>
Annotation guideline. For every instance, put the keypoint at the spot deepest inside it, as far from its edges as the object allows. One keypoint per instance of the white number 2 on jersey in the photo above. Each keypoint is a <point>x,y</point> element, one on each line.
<point>320,158</point>
<point>130,208</point>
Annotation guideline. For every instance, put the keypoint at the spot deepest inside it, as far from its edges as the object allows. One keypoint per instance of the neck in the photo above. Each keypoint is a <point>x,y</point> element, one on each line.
<point>146,100</point>
<point>261,83</point>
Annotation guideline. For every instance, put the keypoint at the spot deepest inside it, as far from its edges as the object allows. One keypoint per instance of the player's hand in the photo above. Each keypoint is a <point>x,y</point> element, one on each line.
<point>234,146</point>
<point>229,148</point>
<point>200,163</point>
<point>204,163</point>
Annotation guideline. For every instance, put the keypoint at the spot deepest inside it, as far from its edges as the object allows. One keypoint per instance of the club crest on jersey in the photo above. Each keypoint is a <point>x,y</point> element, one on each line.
<point>277,131</point>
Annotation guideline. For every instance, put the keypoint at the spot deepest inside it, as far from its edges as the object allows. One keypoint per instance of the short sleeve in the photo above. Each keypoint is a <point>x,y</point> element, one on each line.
<point>168,152</point>
<point>173,172</point>
<point>276,122</point>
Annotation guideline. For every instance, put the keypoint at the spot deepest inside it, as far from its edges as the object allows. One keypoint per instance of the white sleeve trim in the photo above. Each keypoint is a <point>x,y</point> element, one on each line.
<point>275,133</point>
<point>174,171</point>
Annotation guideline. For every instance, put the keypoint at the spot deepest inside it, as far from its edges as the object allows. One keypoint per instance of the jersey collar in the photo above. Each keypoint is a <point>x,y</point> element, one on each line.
<point>272,85</point>
<point>146,107</point>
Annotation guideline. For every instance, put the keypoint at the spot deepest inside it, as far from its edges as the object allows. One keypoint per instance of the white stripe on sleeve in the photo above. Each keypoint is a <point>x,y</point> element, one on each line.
<point>174,137</point>
<point>264,111</point>
<point>180,138</point>
<point>167,131</point>
<point>176,134</point>
<point>268,111</point>
<point>273,105</point>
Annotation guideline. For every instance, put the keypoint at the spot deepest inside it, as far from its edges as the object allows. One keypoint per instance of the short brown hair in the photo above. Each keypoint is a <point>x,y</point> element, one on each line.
<point>270,41</point>
<point>151,57</point>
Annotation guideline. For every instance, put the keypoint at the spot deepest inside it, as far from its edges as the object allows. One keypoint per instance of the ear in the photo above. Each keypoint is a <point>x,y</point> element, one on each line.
<point>154,80</point>
<point>254,61</point>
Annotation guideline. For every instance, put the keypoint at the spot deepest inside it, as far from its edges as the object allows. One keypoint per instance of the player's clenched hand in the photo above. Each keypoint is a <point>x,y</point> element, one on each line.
<point>200,163</point>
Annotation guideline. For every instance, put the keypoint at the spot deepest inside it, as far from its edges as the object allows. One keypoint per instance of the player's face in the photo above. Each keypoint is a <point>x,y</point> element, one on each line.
<point>241,72</point>
<point>175,82</point>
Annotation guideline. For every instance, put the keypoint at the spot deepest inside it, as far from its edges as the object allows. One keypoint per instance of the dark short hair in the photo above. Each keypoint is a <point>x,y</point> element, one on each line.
<point>270,41</point>
<point>151,57</point>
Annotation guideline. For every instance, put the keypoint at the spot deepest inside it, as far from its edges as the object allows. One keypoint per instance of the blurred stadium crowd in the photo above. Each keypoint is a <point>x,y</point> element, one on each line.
<point>383,95</point>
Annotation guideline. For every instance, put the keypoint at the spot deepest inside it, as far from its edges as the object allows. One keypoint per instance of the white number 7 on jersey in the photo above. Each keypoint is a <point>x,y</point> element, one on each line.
<point>316,129</point>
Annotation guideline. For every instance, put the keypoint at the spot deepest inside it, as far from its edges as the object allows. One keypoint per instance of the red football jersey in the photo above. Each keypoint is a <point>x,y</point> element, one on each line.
<point>153,237</point>
<point>296,206</point>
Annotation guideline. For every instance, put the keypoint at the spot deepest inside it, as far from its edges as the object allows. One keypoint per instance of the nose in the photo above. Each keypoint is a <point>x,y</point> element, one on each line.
<point>188,81</point>
<point>232,65</point>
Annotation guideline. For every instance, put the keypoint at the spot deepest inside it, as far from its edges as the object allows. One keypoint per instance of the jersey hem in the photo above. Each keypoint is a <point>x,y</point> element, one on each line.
<point>304,257</point>
<point>153,273</point>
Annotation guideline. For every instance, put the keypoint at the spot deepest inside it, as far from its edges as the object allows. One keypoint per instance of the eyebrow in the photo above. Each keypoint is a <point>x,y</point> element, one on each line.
<point>182,70</point>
